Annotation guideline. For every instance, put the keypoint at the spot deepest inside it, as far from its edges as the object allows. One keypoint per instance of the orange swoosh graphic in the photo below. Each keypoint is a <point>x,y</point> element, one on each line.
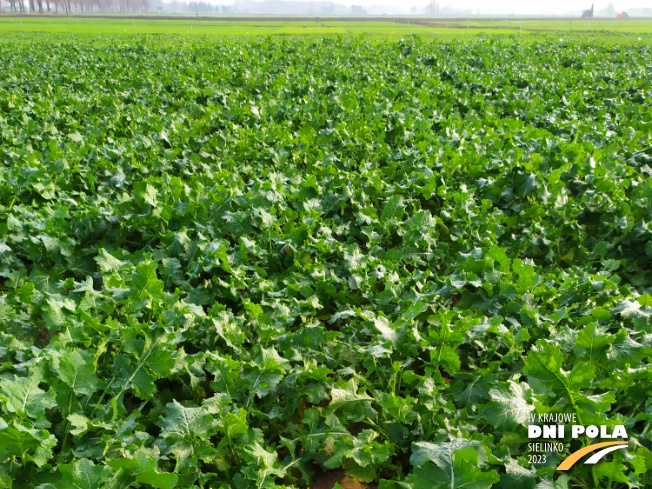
<point>575,456</point>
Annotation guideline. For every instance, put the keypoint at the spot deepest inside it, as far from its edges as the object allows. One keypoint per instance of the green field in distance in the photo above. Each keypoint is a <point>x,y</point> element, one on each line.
<point>15,27</point>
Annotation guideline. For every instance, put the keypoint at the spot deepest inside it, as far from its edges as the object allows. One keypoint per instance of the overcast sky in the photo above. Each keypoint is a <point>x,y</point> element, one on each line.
<point>514,6</point>
<point>550,6</point>
<point>487,7</point>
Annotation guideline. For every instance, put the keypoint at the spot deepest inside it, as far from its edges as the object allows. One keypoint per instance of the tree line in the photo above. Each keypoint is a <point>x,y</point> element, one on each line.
<point>67,6</point>
<point>106,6</point>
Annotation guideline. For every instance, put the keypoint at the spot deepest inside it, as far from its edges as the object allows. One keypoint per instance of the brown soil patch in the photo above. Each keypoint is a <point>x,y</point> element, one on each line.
<point>432,21</point>
<point>327,480</point>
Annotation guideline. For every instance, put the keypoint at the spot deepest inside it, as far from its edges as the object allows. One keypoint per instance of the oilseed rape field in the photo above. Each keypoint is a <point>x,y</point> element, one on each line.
<point>271,261</point>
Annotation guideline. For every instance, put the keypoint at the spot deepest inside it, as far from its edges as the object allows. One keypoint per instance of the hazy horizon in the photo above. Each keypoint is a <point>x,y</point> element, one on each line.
<point>501,7</point>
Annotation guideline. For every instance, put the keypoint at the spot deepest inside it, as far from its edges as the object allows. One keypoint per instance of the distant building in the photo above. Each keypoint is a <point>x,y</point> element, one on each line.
<point>432,10</point>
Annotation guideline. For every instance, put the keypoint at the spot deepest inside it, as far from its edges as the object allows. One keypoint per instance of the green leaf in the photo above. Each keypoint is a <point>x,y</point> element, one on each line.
<point>183,423</point>
<point>76,368</point>
<point>79,422</point>
<point>625,351</point>
<point>346,394</point>
<point>592,342</point>
<point>236,424</point>
<point>146,193</point>
<point>107,262</point>
<point>632,309</point>
<point>613,470</point>
<point>446,356</point>
<point>393,210</point>
<point>460,471</point>
<point>510,406</point>
<point>158,479</point>
<point>441,454</point>
<point>526,183</point>
<point>23,395</point>
<point>469,389</point>
<point>518,476</point>
<point>146,281</point>
<point>31,445</point>
<point>81,474</point>
<point>543,367</point>
<point>384,328</point>
<point>53,314</point>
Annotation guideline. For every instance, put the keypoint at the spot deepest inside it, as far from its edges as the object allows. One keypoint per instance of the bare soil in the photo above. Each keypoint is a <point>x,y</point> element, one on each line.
<point>327,480</point>
<point>271,18</point>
